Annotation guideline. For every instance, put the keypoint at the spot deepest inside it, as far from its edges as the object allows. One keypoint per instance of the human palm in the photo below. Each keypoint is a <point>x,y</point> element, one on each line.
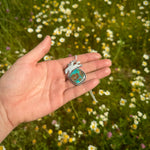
<point>31,89</point>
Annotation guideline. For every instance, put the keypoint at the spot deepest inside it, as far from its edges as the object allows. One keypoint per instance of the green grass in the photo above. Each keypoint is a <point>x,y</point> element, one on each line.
<point>128,42</point>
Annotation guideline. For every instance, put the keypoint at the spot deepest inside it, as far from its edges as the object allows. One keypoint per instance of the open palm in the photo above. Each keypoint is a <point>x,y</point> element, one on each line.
<point>31,89</point>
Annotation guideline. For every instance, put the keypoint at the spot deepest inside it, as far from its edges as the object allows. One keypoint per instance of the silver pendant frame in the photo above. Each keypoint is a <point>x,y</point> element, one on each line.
<point>71,67</point>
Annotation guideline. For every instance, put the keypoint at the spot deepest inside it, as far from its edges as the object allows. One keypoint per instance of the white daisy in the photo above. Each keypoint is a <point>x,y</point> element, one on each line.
<point>39,35</point>
<point>76,34</point>
<point>38,20</point>
<point>145,3</point>
<point>91,147</point>
<point>61,40</point>
<point>30,30</point>
<point>123,101</point>
<point>145,56</point>
<point>38,30</point>
<point>52,42</point>
<point>75,6</point>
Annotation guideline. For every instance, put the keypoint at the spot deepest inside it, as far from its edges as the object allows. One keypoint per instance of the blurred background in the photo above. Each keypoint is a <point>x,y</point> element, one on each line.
<point>118,30</point>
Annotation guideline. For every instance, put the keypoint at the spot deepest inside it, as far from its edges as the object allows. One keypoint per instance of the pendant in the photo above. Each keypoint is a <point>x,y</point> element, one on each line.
<point>74,73</point>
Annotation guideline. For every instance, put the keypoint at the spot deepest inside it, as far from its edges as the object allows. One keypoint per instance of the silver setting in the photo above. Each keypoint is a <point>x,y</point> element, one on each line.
<point>77,83</point>
<point>72,65</point>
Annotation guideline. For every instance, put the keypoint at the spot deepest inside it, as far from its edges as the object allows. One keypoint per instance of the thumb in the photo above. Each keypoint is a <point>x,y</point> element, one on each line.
<point>39,51</point>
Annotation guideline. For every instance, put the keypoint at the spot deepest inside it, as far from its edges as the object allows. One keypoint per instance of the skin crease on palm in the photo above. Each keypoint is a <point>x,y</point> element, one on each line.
<point>31,89</point>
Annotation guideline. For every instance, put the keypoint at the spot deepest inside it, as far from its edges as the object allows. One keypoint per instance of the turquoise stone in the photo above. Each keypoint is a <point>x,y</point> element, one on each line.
<point>77,76</point>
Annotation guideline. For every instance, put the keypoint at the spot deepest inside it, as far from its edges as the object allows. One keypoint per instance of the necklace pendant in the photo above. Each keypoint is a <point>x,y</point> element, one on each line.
<point>74,74</point>
<point>77,76</point>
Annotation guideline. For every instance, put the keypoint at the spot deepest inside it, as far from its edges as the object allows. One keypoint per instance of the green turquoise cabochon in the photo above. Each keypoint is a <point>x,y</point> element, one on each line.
<point>77,76</point>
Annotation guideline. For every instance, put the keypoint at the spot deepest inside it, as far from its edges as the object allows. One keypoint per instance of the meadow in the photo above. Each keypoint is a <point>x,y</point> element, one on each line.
<point>117,29</point>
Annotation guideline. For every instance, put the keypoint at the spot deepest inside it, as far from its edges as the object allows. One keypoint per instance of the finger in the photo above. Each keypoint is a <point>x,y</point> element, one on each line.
<point>39,51</point>
<point>83,58</point>
<point>95,65</point>
<point>98,74</point>
<point>76,91</point>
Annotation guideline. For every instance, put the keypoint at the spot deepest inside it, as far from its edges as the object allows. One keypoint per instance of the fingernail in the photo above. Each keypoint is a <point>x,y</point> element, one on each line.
<point>107,71</point>
<point>98,55</point>
<point>109,63</point>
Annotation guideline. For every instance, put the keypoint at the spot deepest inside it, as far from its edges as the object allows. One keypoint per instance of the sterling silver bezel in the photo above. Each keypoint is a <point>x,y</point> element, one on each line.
<point>84,78</point>
<point>74,64</point>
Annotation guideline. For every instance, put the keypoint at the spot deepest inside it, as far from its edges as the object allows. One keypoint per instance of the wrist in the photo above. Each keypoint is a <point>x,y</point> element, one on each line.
<point>5,125</point>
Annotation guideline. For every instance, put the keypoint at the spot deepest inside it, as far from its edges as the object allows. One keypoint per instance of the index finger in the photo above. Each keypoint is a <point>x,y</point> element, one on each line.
<point>83,58</point>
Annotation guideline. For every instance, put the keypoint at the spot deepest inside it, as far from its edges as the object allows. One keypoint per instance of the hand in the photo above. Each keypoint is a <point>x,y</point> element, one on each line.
<point>31,89</point>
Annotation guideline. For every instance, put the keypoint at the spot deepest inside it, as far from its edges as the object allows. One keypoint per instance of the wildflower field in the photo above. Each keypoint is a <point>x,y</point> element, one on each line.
<point>117,29</point>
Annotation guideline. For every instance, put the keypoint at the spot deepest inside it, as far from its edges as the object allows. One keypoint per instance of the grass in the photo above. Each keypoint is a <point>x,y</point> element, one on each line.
<point>123,29</point>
